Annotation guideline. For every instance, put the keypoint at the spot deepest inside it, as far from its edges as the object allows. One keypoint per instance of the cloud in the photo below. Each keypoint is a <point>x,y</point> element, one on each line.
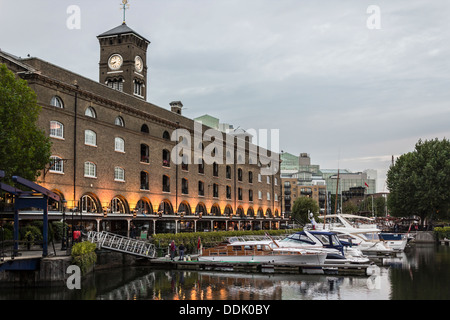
<point>312,69</point>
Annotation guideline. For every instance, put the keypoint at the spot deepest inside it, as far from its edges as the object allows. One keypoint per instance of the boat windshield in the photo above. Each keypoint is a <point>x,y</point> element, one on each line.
<point>297,237</point>
<point>328,239</point>
<point>371,236</point>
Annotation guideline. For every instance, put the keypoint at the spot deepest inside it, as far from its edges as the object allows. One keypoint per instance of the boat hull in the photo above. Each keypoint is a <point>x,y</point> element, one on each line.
<point>313,259</point>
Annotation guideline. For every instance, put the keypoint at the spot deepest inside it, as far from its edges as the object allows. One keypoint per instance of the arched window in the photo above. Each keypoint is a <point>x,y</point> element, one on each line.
<point>228,172</point>
<point>240,174</point>
<point>145,153</point>
<point>139,88</point>
<point>201,188</point>
<point>144,181</point>
<point>184,186</point>
<point>144,207</point>
<point>90,138</point>
<point>215,210</point>
<point>166,135</point>
<point>119,144</point>
<point>90,112</point>
<point>145,129</point>
<point>215,190</point>
<point>165,183</point>
<point>260,213</point>
<point>200,208</point>
<point>201,167</point>
<point>165,207</point>
<point>119,122</point>
<point>89,203</point>
<point>228,211</point>
<point>119,174</point>
<point>90,170</point>
<point>118,205</point>
<point>57,164</point>
<point>215,169</point>
<point>56,130</point>
<point>184,208</point>
<point>116,84</point>
<point>166,158</point>
<point>57,102</point>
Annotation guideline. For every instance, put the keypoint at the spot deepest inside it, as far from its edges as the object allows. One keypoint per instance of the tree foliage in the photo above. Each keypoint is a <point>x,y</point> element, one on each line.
<point>24,148</point>
<point>301,208</point>
<point>419,181</point>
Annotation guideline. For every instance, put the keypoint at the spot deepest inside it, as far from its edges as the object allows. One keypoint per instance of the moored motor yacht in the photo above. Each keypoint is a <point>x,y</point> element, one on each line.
<point>261,251</point>
<point>337,253</point>
<point>363,235</point>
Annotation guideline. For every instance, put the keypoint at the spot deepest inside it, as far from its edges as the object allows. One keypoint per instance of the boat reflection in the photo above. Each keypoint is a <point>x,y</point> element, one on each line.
<point>187,285</point>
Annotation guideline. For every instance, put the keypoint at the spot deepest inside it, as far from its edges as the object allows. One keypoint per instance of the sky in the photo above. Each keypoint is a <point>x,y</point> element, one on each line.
<point>350,82</point>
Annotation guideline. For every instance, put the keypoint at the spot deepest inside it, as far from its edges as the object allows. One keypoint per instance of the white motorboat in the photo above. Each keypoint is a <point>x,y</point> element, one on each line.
<point>261,251</point>
<point>328,242</point>
<point>360,233</point>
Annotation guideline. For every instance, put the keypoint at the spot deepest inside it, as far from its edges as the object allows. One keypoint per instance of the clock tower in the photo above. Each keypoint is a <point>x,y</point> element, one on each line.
<point>123,60</point>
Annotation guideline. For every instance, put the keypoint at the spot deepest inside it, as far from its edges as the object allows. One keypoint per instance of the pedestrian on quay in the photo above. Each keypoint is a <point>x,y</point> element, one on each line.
<point>173,249</point>
<point>181,249</point>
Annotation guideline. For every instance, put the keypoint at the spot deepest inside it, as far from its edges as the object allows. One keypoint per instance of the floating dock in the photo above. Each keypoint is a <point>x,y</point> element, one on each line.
<point>259,267</point>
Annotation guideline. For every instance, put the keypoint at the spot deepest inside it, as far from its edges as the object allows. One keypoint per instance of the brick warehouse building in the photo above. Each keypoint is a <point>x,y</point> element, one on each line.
<point>111,151</point>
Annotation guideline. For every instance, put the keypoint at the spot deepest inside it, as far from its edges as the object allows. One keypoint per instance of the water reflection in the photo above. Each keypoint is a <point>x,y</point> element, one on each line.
<point>422,272</point>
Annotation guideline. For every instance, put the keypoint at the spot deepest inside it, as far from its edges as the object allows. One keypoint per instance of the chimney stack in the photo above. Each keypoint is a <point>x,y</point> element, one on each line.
<point>176,106</point>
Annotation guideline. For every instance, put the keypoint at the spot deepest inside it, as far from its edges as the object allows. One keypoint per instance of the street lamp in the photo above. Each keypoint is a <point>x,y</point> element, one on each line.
<point>64,232</point>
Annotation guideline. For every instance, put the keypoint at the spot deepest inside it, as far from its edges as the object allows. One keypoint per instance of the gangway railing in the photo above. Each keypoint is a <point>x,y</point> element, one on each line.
<point>115,242</point>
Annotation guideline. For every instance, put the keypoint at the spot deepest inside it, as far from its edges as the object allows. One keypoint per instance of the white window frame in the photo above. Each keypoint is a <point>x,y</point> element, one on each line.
<point>119,144</point>
<point>90,169</point>
<point>90,138</point>
<point>90,112</point>
<point>57,102</point>
<point>119,174</point>
<point>58,132</point>
<point>119,121</point>
<point>57,165</point>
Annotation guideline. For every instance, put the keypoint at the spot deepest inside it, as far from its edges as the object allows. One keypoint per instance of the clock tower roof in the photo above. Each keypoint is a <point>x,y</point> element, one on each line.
<point>121,30</point>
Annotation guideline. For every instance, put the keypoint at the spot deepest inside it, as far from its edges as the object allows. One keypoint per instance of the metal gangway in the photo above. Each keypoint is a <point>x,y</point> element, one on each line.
<point>115,242</point>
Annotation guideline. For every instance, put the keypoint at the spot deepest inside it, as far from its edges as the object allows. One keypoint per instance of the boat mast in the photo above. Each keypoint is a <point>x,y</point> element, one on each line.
<point>337,189</point>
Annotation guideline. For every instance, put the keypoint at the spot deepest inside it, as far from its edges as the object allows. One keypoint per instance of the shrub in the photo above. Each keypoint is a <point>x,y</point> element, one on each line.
<point>208,239</point>
<point>442,232</point>
<point>84,256</point>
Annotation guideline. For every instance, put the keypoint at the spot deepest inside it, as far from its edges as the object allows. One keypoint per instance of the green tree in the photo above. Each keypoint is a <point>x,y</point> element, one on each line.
<point>419,181</point>
<point>302,206</point>
<point>24,148</point>
<point>349,207</point>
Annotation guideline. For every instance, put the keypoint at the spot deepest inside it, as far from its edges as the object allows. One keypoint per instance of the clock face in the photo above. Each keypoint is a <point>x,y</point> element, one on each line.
<point>115,61</point>
<point>139,64</point>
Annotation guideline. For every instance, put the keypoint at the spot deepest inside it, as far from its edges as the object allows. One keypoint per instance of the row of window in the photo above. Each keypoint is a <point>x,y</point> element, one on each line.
<point>89,203</point>
<point>90,171</point>
<point>90,139</point>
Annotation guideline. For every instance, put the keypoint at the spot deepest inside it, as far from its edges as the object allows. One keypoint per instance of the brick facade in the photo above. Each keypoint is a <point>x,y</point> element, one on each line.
<point>143,134</point>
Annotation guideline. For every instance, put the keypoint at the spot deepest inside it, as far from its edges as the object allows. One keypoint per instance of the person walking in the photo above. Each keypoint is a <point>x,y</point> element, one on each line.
<point>173,249</point>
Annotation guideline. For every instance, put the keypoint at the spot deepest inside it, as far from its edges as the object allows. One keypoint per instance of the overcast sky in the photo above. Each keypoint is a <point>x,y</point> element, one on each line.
<point>342,83</point>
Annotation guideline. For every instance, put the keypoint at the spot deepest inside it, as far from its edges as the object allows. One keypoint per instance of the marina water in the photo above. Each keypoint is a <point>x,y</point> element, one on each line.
<point>421,272</point>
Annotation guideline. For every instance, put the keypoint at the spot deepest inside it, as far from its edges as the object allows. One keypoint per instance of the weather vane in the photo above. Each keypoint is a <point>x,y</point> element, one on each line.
<point>125,6</point>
